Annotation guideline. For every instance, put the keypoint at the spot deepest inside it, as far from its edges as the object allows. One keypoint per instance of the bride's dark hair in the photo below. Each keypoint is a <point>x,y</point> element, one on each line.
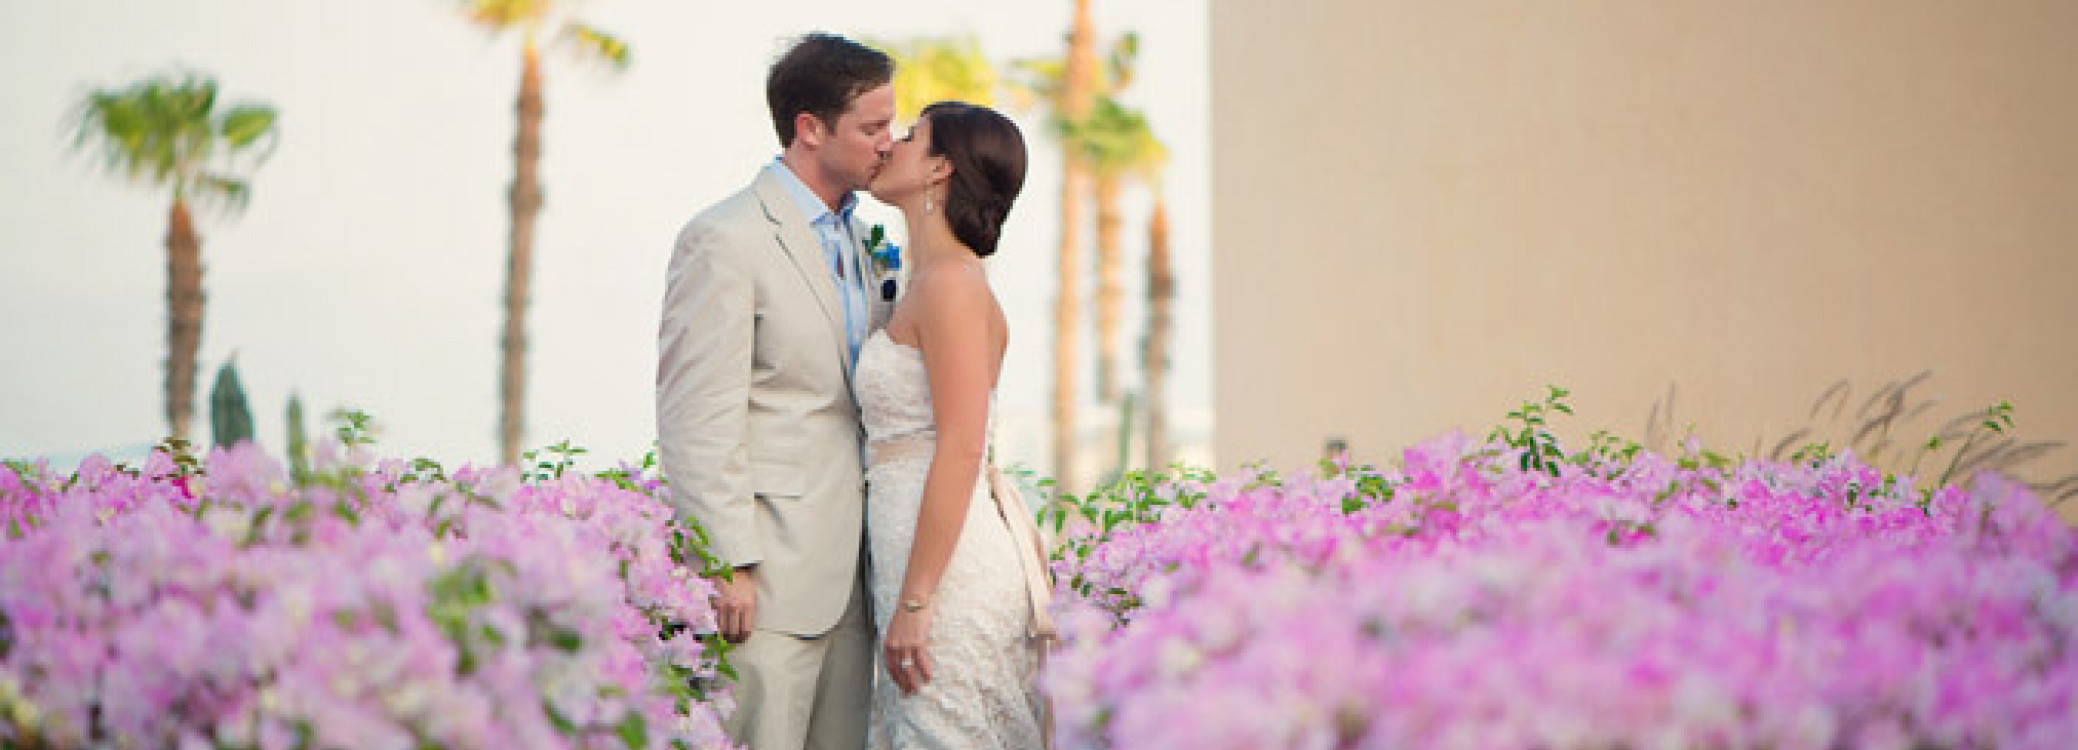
<point>988,169</point>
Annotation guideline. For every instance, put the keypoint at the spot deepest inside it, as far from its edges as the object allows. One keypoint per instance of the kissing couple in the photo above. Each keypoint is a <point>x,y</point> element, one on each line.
<point>827,421</point>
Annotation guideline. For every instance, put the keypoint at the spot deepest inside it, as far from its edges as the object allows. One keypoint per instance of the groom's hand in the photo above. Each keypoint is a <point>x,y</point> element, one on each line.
<point>736,604</point>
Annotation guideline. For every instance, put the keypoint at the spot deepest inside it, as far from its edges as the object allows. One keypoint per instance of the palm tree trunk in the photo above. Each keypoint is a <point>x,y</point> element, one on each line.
<point>1066,323</point>
<point>183,317</point>
<point>519,270</point>
<point>1111,292</point>
<point>1078,95</point>
<point>1161,298</point>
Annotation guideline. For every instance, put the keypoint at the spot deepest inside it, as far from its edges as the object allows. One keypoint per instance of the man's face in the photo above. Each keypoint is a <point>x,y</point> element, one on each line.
<point>852,149</point>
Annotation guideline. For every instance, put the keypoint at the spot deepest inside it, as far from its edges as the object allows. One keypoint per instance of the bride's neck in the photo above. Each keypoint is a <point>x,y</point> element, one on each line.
<point>931,240</point>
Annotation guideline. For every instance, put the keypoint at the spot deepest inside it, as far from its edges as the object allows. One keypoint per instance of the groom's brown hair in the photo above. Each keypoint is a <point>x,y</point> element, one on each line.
<point>821,75</point>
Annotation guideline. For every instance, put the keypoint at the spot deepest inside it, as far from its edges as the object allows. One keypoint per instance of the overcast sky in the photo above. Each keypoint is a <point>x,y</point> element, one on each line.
<point>368,269</point>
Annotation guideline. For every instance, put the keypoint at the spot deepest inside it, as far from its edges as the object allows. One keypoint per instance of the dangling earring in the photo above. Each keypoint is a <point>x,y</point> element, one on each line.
<point>928,207</point>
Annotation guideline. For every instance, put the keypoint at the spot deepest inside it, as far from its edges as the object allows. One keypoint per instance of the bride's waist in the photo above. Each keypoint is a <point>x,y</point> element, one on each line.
<point>901,449</point>
<point>915,446</point>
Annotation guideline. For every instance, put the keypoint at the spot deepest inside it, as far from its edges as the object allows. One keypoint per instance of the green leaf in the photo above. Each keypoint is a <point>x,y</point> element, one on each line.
<point>561,722</point>
<point>634,730</point>
<point>569,641</point>
<point>385,615</point>
<point>259,525</point>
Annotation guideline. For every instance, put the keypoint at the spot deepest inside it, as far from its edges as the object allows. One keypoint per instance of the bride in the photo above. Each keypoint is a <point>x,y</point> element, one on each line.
<point>949,577</point>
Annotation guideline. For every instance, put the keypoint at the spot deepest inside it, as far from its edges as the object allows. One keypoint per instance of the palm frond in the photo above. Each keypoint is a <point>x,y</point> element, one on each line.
<point>933,69</point>
<point>1122,63</point>
<point>222,190</point>
<point>245,125</point>
<point>111,123</point>
<point>1115,139</point>
<point>1038,80</point>
<point>146,130</point>
<point>499,15</point>
<point>166,131</point>
<point>600,43</point>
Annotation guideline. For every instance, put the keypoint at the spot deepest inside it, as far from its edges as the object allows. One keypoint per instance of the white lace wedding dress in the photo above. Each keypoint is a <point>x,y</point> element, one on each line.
<point>982,694</point>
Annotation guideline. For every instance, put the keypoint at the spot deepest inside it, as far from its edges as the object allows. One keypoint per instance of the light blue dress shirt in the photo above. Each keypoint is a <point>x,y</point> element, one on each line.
<point>833,230</point>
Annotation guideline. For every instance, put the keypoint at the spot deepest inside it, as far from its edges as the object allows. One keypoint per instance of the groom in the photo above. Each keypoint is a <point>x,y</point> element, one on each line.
<point>767,301</point>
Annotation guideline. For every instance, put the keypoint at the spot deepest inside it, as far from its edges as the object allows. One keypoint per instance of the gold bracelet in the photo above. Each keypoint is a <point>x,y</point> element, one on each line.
<point>912,605</point>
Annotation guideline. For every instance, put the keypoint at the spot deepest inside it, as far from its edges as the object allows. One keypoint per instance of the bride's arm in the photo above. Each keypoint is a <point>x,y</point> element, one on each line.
<point>953,334</point>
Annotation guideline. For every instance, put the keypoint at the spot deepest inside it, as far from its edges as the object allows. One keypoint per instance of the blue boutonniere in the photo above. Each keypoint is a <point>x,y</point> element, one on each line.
<point>887,259</point>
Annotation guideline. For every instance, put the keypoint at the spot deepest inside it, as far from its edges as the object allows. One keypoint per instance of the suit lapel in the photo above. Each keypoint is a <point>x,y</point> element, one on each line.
<point>792,232</point>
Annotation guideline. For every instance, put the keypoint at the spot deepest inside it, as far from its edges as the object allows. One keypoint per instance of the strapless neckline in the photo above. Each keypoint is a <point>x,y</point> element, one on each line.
<point>882,332</point>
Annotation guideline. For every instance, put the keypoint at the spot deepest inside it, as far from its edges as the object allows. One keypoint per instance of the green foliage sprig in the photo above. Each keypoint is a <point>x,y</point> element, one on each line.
<point>1531,434</point>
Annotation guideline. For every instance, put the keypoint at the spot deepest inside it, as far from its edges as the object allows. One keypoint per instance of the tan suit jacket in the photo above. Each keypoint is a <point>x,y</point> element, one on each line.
<point>758,432</point>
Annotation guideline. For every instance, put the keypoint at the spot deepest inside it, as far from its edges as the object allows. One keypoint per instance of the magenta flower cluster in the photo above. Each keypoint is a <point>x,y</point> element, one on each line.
<point>1636,601</point>
<point>378,604</point>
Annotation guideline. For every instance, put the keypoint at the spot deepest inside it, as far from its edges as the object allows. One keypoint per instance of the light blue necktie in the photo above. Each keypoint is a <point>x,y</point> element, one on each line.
<point>831,230</point>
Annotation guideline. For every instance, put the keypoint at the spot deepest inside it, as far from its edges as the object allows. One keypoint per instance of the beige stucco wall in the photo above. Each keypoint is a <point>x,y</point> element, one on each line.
<point>1426,211</point>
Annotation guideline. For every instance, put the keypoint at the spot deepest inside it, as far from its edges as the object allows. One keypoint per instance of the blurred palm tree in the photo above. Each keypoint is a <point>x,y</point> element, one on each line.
<point>1154,356</point>
<point>536,21</point>
<point>1042,82</point>
<point>1067,87</point>
<point>1109,168</point>
<point>935,69</point>
<point>168,132</point>
<point>1119,147</point>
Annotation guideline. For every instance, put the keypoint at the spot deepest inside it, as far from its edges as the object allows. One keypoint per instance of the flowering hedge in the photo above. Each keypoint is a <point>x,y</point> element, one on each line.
<point>1505,595</point>
<point>1491,595</point>
<point>374,604</point>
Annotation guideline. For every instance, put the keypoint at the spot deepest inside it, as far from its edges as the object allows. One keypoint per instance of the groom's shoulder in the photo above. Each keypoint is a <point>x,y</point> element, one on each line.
<point>737,216</point>
<point>741,205</point>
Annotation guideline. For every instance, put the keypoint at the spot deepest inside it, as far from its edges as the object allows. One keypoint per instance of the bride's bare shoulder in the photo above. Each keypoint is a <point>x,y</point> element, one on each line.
<point>956,287</point>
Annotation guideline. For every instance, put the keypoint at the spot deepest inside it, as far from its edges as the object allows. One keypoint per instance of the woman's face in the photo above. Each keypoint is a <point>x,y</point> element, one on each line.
<point>910,167</point>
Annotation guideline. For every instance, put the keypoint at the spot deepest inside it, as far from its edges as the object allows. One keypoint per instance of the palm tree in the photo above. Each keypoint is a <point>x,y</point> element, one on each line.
<point>1161,303</point>
<point>168,132</point>
<point>933,69</point>
<point>1068,88</point>
<point>1110,176</point>
<point>536,21</point>
<point>1118,145</point>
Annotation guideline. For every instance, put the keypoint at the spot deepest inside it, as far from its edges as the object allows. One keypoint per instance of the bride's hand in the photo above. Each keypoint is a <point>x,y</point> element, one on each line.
<point>908,662</point>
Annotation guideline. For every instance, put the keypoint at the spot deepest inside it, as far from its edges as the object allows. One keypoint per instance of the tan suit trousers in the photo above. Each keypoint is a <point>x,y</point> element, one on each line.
<point>805,693</point>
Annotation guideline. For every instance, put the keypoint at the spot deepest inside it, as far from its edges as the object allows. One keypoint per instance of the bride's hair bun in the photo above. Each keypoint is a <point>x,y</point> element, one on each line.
<point>988,169</point>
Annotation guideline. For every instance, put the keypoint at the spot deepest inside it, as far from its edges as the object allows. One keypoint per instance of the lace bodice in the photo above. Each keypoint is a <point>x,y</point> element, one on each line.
<point>894,395</point>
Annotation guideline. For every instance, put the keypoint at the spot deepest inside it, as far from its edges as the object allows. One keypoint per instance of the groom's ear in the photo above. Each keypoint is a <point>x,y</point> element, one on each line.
<point>810,129</point>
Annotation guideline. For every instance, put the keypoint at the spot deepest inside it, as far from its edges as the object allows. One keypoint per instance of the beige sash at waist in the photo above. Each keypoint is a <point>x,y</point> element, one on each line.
<point>1010,506</point>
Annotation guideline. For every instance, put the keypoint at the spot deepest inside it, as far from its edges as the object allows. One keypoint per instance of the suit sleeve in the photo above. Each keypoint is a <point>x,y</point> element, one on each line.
<point>703,390</point>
